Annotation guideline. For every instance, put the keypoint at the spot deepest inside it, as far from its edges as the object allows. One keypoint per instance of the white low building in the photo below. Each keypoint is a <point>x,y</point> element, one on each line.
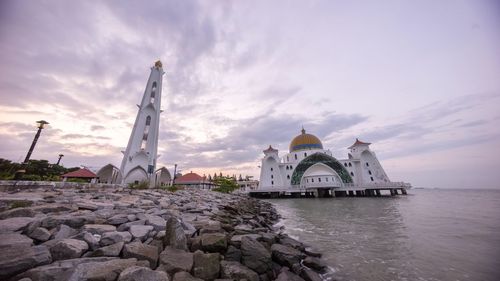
<point>309,167</point>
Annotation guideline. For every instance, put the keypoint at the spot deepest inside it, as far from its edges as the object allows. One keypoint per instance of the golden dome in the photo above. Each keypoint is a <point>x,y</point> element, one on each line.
<point>305,141</point>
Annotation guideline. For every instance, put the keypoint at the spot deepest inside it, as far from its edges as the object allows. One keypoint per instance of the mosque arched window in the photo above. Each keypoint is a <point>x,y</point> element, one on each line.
<point>271,169</point>
<point>153,92</point>
<point>272,182</point>
<point>288,177</point>
<point>371,178</point>
<point>287,160</point>
<point>305,154</point>
<point>312,180</point>
<point>326,179</point>
<point>350,165</point>
<point>272,176</point>
<point>367,165</point>
<point>295,156</point>
<point>152,99</point>
<point>146,132</point>
<point>352,174</point>
<point>369,172</point>
<point>319,179</point>
<point>345,164</point>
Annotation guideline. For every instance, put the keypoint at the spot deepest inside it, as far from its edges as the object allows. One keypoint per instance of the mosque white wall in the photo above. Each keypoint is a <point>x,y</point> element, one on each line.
<point>270,173</point>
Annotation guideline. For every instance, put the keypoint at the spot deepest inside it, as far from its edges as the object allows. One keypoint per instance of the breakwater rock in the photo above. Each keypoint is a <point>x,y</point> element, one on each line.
<point>123,234</point>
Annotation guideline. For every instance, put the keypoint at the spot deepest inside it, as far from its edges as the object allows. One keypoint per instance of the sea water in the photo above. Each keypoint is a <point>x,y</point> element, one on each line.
<point>429,234</point>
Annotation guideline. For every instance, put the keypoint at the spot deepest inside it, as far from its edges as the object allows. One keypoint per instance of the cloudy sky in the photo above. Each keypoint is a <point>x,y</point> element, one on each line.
<point>418,79</point>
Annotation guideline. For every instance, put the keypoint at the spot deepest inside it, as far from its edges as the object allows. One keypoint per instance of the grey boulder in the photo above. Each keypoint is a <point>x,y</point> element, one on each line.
<point>214,242</point>
<point>15,224</point>
<point>113,250</point>
<point>113,237</point>
<point>98,228</point>
<point>235,270</point>
<point>141,252</point>
<point>17,259</point>
<point>285,255</point>
<point>137,273</point>
<point>286,275</point>
<point>40,234</point>
<point>206,266</point>
<point>8,240</point>
<point>185,276</point>
<point>255,256</point>
<point>68,249</point>
<point>174,260</point>
<point>140,231</point>
<point>174,235</point>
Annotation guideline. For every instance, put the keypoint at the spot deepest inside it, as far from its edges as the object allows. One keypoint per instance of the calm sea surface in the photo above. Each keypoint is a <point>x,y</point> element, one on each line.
<point>427,235</point>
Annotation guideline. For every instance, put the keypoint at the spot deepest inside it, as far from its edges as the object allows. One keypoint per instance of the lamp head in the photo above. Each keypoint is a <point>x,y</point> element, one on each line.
<point>41,123</point>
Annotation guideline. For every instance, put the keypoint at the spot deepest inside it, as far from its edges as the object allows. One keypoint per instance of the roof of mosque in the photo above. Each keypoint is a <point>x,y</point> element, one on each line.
<point>270,149</point>
<point>358,142</point>
<point>305,141</point>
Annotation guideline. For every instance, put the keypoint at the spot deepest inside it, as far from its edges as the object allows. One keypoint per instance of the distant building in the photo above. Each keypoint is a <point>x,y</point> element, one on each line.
<point>82,174</point>
<point>109,174</point>
<point>247,184</point>
<point>193,180</point>
<point>162,177</point>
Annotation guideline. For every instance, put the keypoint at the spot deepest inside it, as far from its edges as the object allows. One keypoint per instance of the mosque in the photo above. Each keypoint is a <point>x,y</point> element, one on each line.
<point>310,170</point>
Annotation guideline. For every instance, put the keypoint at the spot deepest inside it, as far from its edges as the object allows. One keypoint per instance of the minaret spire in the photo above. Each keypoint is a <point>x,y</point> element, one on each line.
<point>139,159</point>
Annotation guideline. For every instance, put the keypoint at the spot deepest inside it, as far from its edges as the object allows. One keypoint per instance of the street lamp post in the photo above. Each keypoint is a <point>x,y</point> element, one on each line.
<point>175,173</point>
<point>59,160</point>
<point>40,126</point>
<point>19,174</point>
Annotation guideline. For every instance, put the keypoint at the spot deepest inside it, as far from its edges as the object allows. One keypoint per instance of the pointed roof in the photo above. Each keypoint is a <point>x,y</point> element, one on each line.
<point>358,143</point>
<point>82,173</point>
<point>270,149</point>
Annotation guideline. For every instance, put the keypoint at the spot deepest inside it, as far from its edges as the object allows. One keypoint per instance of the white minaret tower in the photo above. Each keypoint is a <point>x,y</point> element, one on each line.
<point>139,159</point>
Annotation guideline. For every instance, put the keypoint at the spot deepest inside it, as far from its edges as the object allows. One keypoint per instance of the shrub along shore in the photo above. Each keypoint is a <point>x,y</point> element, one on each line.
<point>124,234</point>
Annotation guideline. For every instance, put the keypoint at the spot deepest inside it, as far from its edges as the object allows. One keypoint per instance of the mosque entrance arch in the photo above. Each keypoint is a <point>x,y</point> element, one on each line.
<point>320,158</point>
<point>320,175</point>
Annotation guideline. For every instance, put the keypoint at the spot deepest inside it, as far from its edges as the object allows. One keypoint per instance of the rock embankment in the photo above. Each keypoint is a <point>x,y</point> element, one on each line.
<point>122,234</point>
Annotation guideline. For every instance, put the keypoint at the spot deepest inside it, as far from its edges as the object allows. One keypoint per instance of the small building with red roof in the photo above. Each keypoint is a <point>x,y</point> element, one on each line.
<point>83,174</point>
<point>193,180</point>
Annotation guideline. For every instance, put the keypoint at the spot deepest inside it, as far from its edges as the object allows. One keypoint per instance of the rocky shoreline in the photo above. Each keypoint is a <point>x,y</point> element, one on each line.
<point>122,234</point>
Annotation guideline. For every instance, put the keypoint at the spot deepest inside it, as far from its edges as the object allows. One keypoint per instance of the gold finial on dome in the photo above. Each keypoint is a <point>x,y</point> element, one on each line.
<point>303,130</point>
<point>158,64</point>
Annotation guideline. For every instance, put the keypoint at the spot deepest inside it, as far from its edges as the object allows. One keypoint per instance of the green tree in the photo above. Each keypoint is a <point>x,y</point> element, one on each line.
<point>35,170</point>
<point>225,184</point>
<point>8,168</point>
